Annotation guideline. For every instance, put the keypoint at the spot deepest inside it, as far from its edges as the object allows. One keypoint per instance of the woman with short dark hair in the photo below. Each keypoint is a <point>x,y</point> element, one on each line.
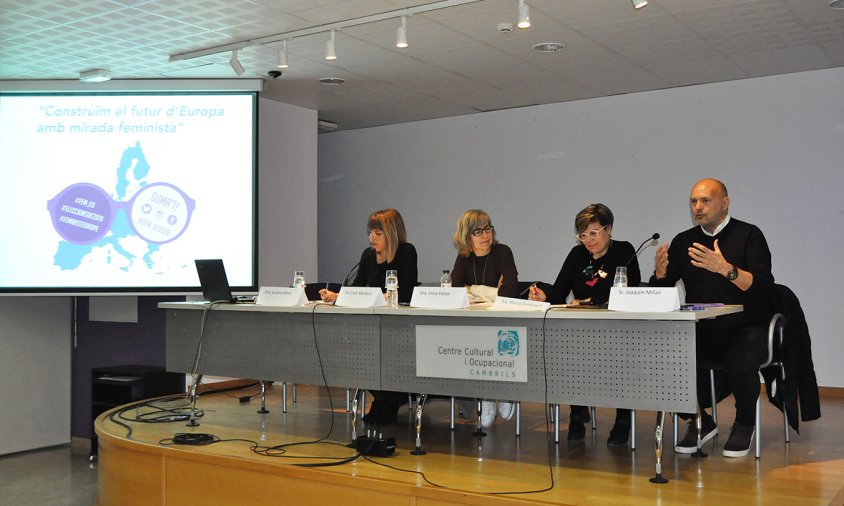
<point>587,274</point>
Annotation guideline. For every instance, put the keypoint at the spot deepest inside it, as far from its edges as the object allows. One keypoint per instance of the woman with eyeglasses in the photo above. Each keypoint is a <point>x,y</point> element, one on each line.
<point>389,250</point>
<point>487,268</point>
<point>587,274</point>
<point>482,261</point>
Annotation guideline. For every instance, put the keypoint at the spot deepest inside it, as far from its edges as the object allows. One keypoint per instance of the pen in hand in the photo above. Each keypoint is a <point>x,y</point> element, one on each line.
<point>528,289</point>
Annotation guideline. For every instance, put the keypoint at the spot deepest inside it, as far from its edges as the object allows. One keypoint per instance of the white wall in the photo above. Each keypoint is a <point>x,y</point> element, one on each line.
<point>287,226</point>
<point>777,142</point>
<point>35,346</point>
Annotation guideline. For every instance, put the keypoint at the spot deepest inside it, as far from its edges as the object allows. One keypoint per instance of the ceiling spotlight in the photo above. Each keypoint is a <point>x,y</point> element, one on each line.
<point>524,15</point>
<point>282,55</point>
<point>235,63</point>
<point>95,76</point>
<point>638,4</point>
<point>401,34</point>
<point>332,81</point>
<point>836,4</point>
<point>330,49</point>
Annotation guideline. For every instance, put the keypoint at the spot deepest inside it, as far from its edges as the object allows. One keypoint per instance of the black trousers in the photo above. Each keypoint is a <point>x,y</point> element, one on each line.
<point>385,406</point>
<point>738,352</point>
<point>581,413</point>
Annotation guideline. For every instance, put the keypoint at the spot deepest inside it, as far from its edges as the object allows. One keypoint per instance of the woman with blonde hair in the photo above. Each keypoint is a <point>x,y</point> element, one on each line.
<point>487,269</point>
<point>482,261</point>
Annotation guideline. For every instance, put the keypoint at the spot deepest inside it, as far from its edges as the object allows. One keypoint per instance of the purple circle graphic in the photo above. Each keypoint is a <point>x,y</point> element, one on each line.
<point>81,213</point>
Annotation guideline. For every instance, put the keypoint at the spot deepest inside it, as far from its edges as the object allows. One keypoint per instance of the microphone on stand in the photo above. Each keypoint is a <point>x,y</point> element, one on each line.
<point>654,237</point>
<point>356,266</point>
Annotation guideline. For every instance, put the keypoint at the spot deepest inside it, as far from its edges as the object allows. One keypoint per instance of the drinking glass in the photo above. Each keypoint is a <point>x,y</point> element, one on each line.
<point>620,279</point>
<point>299,279</point>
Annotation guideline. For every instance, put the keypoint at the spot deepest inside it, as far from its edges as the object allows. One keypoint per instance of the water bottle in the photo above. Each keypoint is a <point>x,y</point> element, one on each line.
<point>445,280</point>
<point>299,279</point>
<point>620,280</point>
<point>392,286</point>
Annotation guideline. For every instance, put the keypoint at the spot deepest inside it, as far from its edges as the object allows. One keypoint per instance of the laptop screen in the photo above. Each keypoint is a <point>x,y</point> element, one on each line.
<point>213,280</point>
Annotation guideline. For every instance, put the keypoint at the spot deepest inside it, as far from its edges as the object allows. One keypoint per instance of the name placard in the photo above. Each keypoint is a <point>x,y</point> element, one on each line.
<point>439,298</point>
<point>511,304</point>
<point>644,299</point>
<point>479,353</point>
<point>284,296</point>
<point>360,296</point>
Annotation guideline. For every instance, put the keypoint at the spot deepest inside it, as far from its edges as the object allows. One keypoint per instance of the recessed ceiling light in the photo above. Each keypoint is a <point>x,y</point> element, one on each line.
<point>333,81</point>
<point>504,27</point>
<point>836,4</point>
<point>548,47</point>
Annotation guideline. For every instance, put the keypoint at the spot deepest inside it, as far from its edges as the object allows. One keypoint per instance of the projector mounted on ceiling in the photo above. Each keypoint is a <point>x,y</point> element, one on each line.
<point>95,76</point>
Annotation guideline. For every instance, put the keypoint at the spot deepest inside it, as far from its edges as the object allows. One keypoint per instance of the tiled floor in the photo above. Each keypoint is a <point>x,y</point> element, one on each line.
<point>51,476</point>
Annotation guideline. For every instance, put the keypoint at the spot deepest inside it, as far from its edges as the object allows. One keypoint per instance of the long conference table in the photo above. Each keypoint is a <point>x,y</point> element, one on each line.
<point>590,357</point>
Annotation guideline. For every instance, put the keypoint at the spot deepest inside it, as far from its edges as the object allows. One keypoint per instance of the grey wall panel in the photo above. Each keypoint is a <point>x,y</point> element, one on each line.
<point>777,142</point>
<point>35,344</point>
<point>287,182</point>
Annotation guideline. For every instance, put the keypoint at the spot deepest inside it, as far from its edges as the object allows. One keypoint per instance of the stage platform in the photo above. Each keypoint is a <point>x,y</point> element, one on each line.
<point>459,468</point>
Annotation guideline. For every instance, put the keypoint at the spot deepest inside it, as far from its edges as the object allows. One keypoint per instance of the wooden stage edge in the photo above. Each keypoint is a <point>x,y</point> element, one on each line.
<point>141,470</point>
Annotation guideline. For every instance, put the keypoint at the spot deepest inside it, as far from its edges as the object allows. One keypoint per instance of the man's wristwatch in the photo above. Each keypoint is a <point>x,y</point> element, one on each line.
<point>733,274</point>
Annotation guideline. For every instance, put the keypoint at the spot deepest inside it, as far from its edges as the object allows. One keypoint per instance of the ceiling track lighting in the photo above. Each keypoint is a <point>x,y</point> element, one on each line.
<point>235,64</point>
<point>401,34</point>
<point>282,55</point>
<point>639,4</point>
<point>331,48</point>
<point>524,15</point>
<point>313,30</point>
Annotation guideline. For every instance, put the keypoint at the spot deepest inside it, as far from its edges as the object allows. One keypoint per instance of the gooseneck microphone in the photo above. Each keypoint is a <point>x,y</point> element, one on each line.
<point>649,239</point>
<point>354,268</point>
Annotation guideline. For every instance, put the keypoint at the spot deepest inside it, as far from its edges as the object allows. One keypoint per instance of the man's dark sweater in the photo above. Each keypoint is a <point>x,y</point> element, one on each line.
<point>742,245</point>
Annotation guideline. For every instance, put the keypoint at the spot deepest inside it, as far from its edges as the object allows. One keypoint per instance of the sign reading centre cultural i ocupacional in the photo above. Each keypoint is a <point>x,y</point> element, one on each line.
<point>479,353</point>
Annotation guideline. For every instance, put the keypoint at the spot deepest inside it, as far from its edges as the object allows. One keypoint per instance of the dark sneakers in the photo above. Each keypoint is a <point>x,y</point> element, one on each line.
<point>577,430</point>
<point>707,432</point>
<point>738,444</point>
<point>577,420</point>
<point>620,432</point>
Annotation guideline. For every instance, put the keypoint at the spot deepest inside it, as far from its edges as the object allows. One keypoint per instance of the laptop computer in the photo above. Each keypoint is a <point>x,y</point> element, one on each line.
<point>213,280</point>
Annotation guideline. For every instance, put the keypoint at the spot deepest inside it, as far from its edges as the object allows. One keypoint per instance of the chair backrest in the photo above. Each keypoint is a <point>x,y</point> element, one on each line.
<point>776,334</point>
